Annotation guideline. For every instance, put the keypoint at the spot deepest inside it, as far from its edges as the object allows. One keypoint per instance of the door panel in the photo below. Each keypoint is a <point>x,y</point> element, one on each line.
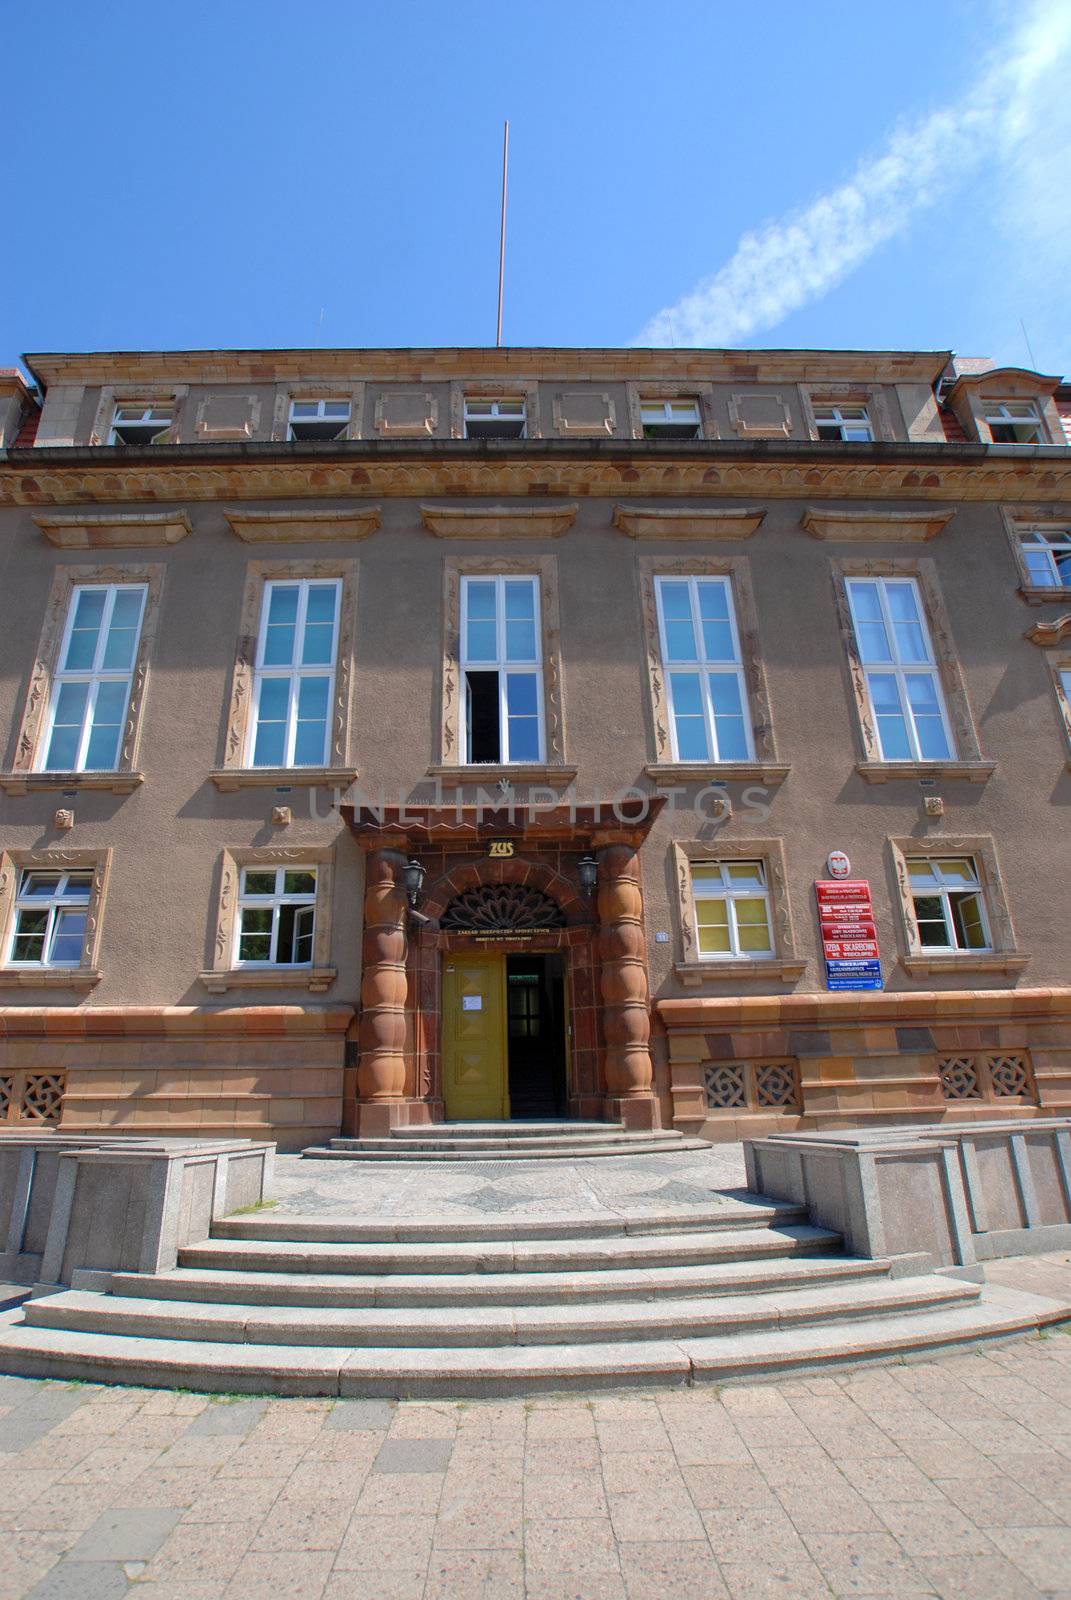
<point>475,1079</point>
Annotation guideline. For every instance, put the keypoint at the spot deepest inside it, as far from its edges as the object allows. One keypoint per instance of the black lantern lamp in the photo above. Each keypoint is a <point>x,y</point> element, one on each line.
<point>414,880</point>
<point>588,869</point>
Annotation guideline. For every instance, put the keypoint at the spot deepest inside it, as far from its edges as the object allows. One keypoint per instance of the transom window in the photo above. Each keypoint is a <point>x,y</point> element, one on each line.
<point>134,424</point>
<point>850,424</point>
<point>901,674</point>
<point>949,904</point>
<point>295,673</point>
<point>501,661</point>
<point>1013,422</point>
<point>1047,556</point>
<point>91,688</point>
<point>50,919</point>
<point>670,419</point>
<point>276,916</point>
<point>318,419</point>
<point>732,910</point>
<point>494,419</point>
<point>704,671</point>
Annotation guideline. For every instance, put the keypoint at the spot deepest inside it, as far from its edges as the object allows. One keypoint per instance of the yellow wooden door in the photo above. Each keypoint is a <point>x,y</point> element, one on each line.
<point>475,1072</point>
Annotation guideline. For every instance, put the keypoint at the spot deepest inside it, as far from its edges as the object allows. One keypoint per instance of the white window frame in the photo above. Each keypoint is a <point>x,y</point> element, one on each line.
<point>93,676</point>
<point>295,673</point>
<point>730,893</point>
<point>735,668</point>
<point>667,419</point>
<point>503,667</point>
<point>828,413</point>
<point>321,416</point>
<point>494,401</point>
<point>999,413</point>
<point>1034,538</point>
<point>146,418</point>
<point>56,904</point>
<point>900,671</point>
<point>942,890</point>
<point>275,902</point>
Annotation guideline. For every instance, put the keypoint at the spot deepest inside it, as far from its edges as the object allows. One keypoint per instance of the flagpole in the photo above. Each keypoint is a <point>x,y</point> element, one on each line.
<point>502,231</point>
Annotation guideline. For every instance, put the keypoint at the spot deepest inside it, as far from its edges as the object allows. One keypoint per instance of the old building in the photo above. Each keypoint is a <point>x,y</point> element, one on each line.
<point>394,735</point>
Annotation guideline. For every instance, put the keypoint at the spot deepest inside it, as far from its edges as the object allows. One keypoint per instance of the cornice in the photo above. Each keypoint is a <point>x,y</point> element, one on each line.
<point>498,522</point>
<point>611,469</point>
<point>1047,634</point>
<point>119,531</point>
<point>876,526</point>
<point>688,522</point>
<point>301,526</point>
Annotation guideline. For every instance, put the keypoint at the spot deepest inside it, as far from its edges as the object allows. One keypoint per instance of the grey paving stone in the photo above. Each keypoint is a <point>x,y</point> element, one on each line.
<point>239,1416</point>
<point>126,1535</point>
<point>413,1455</point>
<point>82,1580</point>
<point>13,1391</point>
<point>37,1414</point>
<point>360,1415</point>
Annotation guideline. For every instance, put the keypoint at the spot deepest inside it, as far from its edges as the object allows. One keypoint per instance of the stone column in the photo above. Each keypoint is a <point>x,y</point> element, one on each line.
<point>626,1015</point>
<point>381,1062</point>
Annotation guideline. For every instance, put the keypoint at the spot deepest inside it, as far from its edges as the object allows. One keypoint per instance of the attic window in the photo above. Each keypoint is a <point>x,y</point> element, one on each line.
<point>670,419</point>
<point>846,424</point>
<point>1014,422</point>
<point>494,419</point>
<point>134,424</point>
<point>318,419</point>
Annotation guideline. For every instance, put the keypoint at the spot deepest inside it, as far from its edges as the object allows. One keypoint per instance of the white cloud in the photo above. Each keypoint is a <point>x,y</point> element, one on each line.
<point>799,257</point>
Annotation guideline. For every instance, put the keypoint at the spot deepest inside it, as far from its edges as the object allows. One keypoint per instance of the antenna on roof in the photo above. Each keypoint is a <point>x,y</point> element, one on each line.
<point>502,230</point>
<point>1029,349</point>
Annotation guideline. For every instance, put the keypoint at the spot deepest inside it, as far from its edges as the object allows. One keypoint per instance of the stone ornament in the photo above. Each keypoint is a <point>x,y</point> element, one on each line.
<point>63,821</point>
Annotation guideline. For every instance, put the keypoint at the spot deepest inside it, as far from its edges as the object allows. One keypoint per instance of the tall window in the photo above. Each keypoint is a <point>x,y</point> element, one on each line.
<point>901,674</point>
<point>91,689</point>
<point>949,904</point>
<point>1047,557</point>
<point>295,673</point>
<point>276,916</point>
<point>1013,422</point>
<point>501,661</point>
<point>50,919</point>
<point>138,424</point>
<point>732,910</point>
<point>318,419</point>
<point>704,671</point>
<point>670,419</point>
<point>850,424</point>
<point>494,419</point>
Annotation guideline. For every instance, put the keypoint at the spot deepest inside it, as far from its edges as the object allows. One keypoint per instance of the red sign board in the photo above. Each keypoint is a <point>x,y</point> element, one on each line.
<point>851,950</point>
<point>846,917</point>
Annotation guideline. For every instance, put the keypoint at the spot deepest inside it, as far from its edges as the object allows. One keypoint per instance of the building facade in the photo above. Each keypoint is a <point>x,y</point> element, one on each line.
<point>395,735</point>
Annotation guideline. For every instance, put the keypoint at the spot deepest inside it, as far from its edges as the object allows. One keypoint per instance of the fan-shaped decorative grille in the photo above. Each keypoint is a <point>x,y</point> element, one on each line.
<point>502,906</point>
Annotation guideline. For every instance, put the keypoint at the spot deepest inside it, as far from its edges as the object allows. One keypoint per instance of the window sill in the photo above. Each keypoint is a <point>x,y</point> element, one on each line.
<point>923,966</point>
<point>693,973</point>
<point>49,977</point>
<point>229,779</point>
<point>316,979</point>
<point>889,771</point>
<point>30,782</point>
<point>496,772</point>
<point>768,772</point>
<point>1044,594</point>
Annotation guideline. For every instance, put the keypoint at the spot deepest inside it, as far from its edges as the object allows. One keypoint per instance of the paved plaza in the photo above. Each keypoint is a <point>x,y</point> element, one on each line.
<point>947,1478</point>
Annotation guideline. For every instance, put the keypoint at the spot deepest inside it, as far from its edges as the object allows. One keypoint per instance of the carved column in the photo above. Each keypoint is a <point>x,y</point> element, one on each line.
<point>381,1063</point>
<point>626,1015</point>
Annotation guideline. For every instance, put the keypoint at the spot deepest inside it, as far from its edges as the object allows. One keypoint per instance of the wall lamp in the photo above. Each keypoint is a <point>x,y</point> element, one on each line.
<point>415,872</point>
<point>588,869</point>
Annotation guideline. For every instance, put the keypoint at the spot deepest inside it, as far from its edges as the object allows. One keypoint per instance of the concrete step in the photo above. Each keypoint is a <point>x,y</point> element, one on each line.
<point>215,1365</point>
<point>489,1327</point>
<point>536,1150</point>
<point>417,1290</point>
<point>541,1128</point>
<point>487,1139</point>
<point>535,1255</point>
<point>431,1230</point>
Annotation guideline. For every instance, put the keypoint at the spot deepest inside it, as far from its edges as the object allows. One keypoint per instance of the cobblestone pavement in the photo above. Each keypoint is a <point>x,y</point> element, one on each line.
<point>947,1478</point>
<point>596,1186</point>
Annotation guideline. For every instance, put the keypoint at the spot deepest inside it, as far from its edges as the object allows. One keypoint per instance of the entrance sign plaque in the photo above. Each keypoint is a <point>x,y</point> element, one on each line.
<point>849,933</point>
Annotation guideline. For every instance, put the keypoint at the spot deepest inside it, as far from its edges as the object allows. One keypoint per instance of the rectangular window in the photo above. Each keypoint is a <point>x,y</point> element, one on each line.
<point>494,419</point>
<point>318,419</point>
<point>1047,556</point>
<point>704,671</point>
<point>295,673</point>
<point>91,688</point>
<point>501,662</point>
<point>50,919</point>
<point>901,674</point>
<point>670,419</point>
<point>276,916</point>
<point>849,424</point>
<point>949,904</point>
<point>134,424</point>
<point>1013,422</point>
<point>732,910</point>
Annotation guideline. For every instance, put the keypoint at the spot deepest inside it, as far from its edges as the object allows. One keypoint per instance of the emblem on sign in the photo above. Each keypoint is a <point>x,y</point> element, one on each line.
<point>838,864</point>
<point>500,848</point>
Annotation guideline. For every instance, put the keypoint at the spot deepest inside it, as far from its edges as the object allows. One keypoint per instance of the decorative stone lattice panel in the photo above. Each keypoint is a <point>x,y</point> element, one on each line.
<point>959,1078</point>
<point>985,1075</point>
<point>31,1096</point>
<point>725,1087</point>
<point>777,1084</point>
<point>753,1085</point>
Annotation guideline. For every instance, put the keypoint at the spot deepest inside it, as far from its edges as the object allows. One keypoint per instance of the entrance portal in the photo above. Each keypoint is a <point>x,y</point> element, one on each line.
<point>503,1036</point>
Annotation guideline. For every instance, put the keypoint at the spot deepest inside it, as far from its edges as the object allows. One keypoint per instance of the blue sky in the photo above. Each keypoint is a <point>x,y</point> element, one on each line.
<point>259,173</point>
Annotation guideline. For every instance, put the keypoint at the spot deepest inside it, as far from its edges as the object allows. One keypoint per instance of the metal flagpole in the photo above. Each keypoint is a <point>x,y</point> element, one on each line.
<point>502,233</point>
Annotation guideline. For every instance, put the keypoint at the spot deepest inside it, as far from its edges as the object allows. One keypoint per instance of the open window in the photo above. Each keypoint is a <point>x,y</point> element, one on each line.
<point>670,419</point>
<point>494,419</point>
<point>137,424</point>
<point>1014,422</point>
<point>276,920</point>
<point>843,423</point>
<point>318,420</point>
<point>949,904</point>
<point>501,665</point>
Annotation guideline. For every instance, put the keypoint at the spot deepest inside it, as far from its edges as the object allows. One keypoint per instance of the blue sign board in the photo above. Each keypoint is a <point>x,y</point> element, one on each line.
<point>854,975</point>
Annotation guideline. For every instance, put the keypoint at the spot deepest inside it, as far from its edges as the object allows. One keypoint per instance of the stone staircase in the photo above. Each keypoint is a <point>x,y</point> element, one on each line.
<point>507,1141</point>
<point>742,1288</point>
